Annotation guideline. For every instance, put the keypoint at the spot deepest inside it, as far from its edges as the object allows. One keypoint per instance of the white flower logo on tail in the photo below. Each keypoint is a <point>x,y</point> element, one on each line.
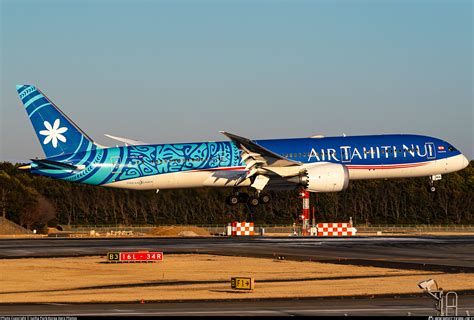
<point>53,133</point>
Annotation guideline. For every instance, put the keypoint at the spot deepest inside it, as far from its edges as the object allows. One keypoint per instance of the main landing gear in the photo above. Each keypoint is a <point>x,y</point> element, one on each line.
<point>433,178</point>
<point>252,200</point>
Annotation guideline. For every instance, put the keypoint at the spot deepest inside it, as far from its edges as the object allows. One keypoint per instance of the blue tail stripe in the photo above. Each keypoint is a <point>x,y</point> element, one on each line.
<point>41,106</point>
<point>20,89</point>
<point>27,91</point>
<point>92,175</point>
<point>29,96</point>
<point>36,103</point>
<point>33,100</point>
<point>78,147</point>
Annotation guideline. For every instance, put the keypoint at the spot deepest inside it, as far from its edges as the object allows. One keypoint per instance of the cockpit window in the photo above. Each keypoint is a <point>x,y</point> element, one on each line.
<point>451,148</point>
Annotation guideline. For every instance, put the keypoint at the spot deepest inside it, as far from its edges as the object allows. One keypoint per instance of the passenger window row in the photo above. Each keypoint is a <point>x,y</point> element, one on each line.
<point>299,154</point>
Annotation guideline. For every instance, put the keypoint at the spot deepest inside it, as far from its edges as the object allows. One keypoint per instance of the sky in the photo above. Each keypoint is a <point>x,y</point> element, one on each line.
<point>181,71</point>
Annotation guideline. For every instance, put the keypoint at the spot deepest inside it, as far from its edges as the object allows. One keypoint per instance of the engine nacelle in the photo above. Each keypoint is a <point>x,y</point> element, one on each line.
<point>325,177</point>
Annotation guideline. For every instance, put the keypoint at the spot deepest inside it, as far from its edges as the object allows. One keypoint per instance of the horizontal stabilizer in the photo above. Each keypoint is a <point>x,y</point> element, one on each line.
<point>53,165</point>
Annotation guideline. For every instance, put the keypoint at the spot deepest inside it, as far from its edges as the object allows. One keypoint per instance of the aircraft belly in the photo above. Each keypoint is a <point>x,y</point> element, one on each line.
<point>180,180</point>
<point>176,180</point>
<point>421,169</point>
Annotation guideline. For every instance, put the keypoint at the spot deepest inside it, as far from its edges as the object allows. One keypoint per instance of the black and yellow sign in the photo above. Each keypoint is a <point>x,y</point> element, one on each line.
<point>113,256</point>
<point>239,283</point>
<point>139,256</point>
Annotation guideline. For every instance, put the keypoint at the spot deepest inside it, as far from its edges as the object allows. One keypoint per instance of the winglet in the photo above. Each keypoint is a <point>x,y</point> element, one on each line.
<point>126,140</point>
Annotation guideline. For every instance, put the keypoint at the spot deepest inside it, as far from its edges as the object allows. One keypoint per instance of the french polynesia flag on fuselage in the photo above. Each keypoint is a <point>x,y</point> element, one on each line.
<point>441,149</point>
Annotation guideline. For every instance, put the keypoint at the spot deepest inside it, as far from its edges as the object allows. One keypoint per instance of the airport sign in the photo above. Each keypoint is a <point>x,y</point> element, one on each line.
<point>241,283</point>
<point>134,256</point>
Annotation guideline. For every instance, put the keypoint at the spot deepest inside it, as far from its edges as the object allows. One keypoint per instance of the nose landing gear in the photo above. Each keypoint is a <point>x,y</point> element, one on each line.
<point>433,178</point>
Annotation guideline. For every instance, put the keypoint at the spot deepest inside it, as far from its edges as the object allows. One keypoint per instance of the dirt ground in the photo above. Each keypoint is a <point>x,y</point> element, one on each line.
<point>8,227</point>
<point>190,277</point>
<point>180,231</point>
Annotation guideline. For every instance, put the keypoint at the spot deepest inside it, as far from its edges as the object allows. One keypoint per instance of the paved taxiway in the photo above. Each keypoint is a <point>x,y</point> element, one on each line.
<point>418,305</point>
<point>448,254</point>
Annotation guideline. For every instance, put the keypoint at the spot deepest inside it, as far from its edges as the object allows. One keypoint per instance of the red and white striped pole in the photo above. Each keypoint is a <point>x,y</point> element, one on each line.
<point>305,213</point>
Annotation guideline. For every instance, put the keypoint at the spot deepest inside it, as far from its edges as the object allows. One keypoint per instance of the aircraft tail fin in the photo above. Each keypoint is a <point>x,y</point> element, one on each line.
<point>57,134</point>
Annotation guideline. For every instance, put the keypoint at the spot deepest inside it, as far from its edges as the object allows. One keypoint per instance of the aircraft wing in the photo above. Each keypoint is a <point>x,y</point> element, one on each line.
<point>127,141</point>
<point>261,162</point>
<point>252,150</point>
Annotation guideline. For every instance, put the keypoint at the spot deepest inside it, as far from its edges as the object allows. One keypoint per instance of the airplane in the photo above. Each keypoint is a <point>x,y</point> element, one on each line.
<point>316,163</point>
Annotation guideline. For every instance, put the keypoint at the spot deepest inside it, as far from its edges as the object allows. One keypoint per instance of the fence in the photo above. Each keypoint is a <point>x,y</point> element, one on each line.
<point>283,229</point>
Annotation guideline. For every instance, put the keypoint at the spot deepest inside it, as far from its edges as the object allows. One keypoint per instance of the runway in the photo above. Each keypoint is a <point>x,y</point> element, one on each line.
<point>415,306</point>
<point>447,254</point>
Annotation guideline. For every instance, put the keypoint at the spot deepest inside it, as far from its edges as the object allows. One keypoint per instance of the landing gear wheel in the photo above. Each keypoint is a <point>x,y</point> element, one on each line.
<point>233,199</point>
<point>265,198</point>
<point>433,178</point>
<point>253,201</point>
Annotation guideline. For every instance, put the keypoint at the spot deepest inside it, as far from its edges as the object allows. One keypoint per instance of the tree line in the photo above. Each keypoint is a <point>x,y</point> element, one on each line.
<point>35,201</point>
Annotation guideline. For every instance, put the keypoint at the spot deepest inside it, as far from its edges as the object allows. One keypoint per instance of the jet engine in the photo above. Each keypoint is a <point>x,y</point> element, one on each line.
<point>325,177</point>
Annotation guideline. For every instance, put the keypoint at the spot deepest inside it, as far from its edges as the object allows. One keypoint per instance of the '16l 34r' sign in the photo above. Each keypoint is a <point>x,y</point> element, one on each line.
<point>134,256</point>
